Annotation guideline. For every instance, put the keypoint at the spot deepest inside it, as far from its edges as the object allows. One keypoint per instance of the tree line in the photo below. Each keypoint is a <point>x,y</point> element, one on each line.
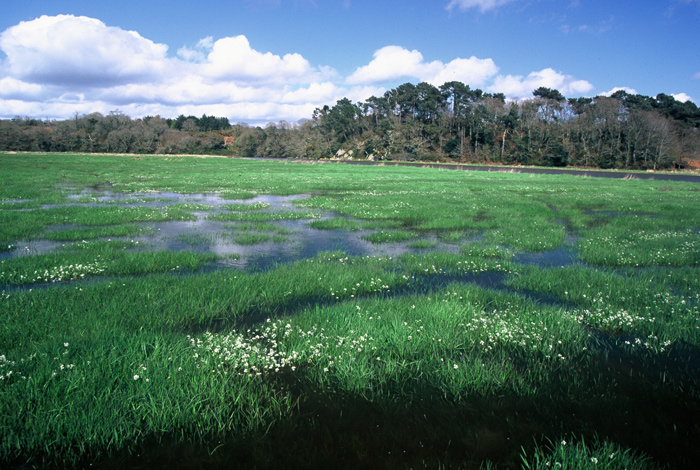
<point>116,133</point>
<point>411,122</point>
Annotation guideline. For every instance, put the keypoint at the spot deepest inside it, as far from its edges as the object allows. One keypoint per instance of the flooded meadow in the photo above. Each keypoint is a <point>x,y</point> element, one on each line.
<point>188,312</point>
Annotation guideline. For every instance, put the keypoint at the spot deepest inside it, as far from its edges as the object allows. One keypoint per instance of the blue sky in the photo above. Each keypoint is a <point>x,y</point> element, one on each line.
<point>261,61</point>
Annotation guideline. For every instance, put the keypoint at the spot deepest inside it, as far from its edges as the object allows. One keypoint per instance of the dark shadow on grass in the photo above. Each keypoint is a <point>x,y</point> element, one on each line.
<point>413,425</point>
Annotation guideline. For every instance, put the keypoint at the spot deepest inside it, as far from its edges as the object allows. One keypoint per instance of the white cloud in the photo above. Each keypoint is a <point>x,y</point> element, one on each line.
<point>361,93</point>
<point>253,112</point>
<point>682,97</point>
<point>57,66</point>
<point>394,62</point>
<point>472,71</point>
<point>51,109</point>
<point>517,86</point>
<point>391,63</point>
<point>197,53</point>
<point>630,91</point>
<point>17,89</point>
<point>68,50</point>
<point>696,76</point>
<point>482,5</point>
<point>232,58</point>
<point>315,92</point>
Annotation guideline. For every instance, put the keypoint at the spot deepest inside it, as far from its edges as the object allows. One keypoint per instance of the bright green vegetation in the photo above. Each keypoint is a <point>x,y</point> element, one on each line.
<point>262,216</point>
<point>88,259</point>
<point>642,241</point>
<point>385,236</point>
<point>27,225</point>
<point>452,236</point>
<point>336,223</point>
<point>645,308</point>
<point>578,455</point>
<point>422,244</point>
<point>252,238</point>
<point>91,233</point>
<point>429,359</point>
<point>239,207</point>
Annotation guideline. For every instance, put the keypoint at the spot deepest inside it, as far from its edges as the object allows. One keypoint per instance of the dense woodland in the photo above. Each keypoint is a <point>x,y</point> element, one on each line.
<point>411,122</point>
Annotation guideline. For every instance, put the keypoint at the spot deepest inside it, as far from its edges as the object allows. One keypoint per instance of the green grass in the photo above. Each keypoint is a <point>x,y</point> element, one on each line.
<point>641,242</point>
<point>90,259</point>
<point>142,358</point>
<point>256,217</point>
<point>336,223</point>
<point>645,310</point>
<point>385,236</point>
<point>422,244</point>
<point>242,207</point>
<point>15,225</point>
<point>579,455</point>
<point>91,233</point>
<point>452,236</point>
<point>197,239</point>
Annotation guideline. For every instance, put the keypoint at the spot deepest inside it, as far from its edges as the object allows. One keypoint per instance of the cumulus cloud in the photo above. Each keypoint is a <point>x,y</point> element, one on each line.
<point>682,97</point>
<point>481,5</point>
<point>696,76</point>
<point>232,58</point>
<point>390,63</point>
<point>324,92</point>
<point>56,66</point>
<point>76,50</point>
<point>517,86</point>
<point>16,89</point>
<point>630,91</point>
<point>394,62</point>
<point>197,53</point>
<point>472,71</point>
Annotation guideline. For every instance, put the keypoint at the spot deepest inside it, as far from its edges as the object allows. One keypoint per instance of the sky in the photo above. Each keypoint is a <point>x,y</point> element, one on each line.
<point>260,61</point>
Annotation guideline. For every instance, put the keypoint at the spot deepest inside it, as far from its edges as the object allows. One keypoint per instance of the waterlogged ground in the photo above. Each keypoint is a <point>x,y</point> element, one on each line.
<point>257,233</point>
<point>207,313</point>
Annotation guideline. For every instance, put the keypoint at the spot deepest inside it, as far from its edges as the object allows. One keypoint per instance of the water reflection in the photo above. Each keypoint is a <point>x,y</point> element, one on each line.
<point>295,239</point>
<point>280,241</point>
<point>559,257</point>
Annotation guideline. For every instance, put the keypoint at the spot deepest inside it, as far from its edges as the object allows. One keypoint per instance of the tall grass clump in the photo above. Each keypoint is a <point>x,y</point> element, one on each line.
<point>336,223</point>
<point>579,455</point>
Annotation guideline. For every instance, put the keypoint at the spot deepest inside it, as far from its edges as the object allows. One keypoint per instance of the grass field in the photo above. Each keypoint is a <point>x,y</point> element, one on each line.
<point>483,320</point>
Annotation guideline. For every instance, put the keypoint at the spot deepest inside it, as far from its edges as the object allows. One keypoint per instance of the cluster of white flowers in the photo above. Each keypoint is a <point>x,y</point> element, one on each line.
<point>650,342</point>
<point>6,367</point>
<point>631,251</point>
<point>251,353</point>
<point>142,369</point>
<point>374,285</point>
<point>608,318</point>
<point>269,349</point>
<point>16,369</point>
<point>473,266</point>
<point>507,327</point>
<point>194,207</point>
<point>55,273</point>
